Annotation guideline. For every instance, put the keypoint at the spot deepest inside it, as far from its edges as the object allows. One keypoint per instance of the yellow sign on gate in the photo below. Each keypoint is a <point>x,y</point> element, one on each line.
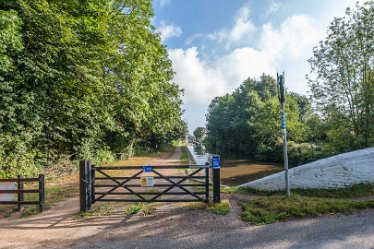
<point>147,181</point>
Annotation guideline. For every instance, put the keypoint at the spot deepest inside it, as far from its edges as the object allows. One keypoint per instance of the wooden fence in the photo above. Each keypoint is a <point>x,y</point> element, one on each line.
<point>20,191</point>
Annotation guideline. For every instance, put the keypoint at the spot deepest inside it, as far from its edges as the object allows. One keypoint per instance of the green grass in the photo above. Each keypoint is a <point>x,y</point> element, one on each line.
<point>97,210</point>
<point>185,157</point>
<point>357,190</point>
<point>143,209</point>
<point>244,190</point>
<point>270,209</point>
<point>30,212</point>
<point>222,208</point>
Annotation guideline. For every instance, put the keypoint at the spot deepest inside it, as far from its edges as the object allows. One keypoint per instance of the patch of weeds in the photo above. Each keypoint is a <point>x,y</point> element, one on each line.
<point>185,157</point>
<point>222,208</point>
<point>143,209</point>
<point>357,190</point>
<point>149,209</point>
<point>133,208</point>
<point>266,210</point>
<point>246,190</point>
<point>98,210</point>
<point>29,212</point>
<point>194,205</point>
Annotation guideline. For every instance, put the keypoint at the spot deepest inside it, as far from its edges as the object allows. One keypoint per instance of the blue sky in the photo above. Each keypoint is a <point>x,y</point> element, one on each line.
<point>216,44</point>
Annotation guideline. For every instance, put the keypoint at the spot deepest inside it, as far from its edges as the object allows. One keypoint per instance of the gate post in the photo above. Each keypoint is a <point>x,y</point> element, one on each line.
<point>84,185</point>
<point>20,193</point>
<point>93,176</point>
<point>216,168</point>
<point>41,193</point>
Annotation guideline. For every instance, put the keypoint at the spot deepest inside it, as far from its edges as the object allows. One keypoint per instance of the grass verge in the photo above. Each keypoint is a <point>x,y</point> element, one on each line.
<point>222,208</point>
<point>97,210</point>
<point>143,209</point>
<point>185,157</point>
<point>266,210</point>
<point>354,191</point>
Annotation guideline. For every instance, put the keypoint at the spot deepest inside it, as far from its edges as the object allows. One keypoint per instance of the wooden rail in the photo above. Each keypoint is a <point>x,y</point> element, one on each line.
<point>20,191</point>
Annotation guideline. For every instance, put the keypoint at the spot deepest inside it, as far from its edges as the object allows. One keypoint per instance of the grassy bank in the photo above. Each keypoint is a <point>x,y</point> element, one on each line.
<point>265,210</point>
<point>271,207</point>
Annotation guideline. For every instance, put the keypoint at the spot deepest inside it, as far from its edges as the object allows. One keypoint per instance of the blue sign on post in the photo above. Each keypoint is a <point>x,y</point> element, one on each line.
<point>216,162</point>
<point>147,169</point>
<point>283,121</point>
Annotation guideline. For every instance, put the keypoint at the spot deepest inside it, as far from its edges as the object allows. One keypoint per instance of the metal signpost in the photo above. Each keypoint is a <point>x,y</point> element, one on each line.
<point>282,99</point>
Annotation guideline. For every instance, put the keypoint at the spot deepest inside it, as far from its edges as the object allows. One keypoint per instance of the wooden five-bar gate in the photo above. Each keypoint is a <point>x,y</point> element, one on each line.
<point>169,183</point>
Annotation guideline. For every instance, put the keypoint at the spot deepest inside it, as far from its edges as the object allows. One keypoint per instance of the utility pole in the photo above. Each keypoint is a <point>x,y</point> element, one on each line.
<point>282,99</point>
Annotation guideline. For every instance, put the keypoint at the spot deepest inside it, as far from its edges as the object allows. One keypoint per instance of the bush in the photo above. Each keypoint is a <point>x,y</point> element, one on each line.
<point>103,156</point>
<point>16,158</point>
<point>298,153</point>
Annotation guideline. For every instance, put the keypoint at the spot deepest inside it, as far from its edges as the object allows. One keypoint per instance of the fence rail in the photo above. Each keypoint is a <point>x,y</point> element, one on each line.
<point>20,191</point>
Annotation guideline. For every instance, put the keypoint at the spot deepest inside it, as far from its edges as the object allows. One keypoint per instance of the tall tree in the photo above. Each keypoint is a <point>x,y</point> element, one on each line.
<point>200,134</point>
<point>82,77</point>
<point>343,88</point>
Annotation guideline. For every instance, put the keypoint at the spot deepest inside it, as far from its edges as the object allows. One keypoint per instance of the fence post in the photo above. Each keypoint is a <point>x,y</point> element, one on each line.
<point>216,168</point>
<point>20,192</point>
<point>41,193</point>
<point>84,183</point>
<point>93,175</point>
<point>207,183</point>
<point>89,184</point>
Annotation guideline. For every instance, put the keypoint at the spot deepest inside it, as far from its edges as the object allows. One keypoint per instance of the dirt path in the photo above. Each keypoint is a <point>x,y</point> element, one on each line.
<point>61,227</point>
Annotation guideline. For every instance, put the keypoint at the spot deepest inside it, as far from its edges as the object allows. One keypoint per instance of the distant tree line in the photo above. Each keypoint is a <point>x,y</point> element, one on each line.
<point>82,79</point>
<point>337,117</point>
<point>200,134</point>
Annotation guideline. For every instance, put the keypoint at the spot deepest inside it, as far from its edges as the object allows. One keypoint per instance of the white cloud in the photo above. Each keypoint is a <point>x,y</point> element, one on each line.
<point>242,29</point>
<point>243,25</point>
<point>204,80</point>
<point>286,48</point>
<point>296,35</point>
<point>200,81</point>
<point>169,30</point>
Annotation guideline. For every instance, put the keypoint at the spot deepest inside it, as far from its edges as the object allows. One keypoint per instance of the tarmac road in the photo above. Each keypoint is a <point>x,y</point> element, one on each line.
<point>340,231</point>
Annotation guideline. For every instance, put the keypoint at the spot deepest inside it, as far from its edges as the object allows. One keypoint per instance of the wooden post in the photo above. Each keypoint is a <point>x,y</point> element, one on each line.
<point>20,192</point>
<point>89,184</point>
<point>41,193</point>
<point>84,186</point>
<point>93,175</point>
